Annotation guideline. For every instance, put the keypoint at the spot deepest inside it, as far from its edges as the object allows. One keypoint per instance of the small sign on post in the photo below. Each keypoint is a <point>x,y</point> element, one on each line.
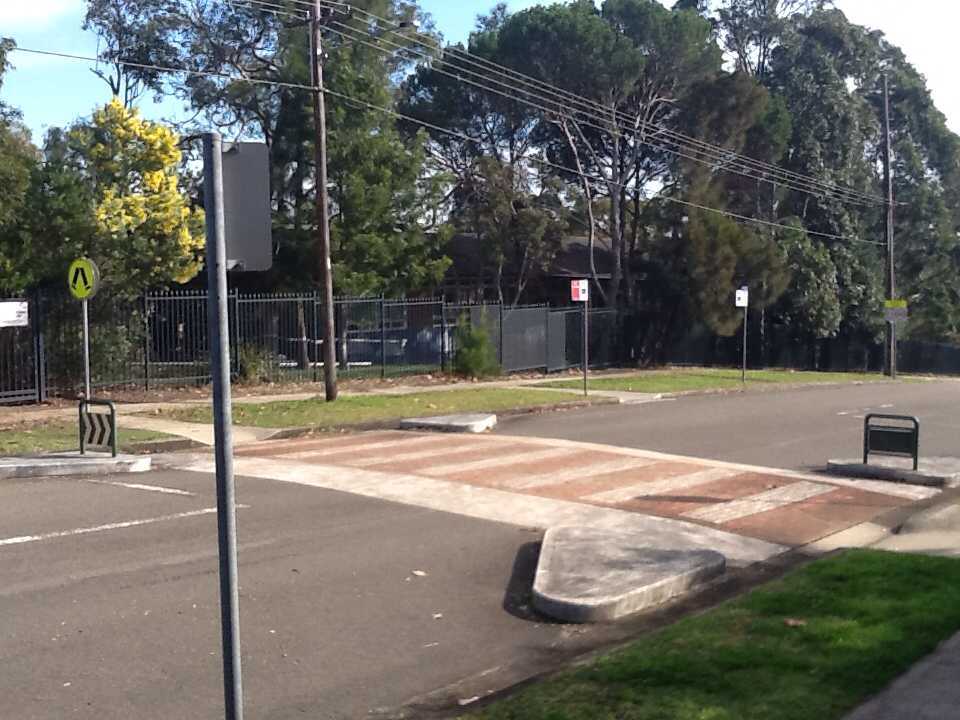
<point>896,311</point>
<point>743,301</point>
<point>15,313</point>
<point>83,279</point>
<point>580,293</point>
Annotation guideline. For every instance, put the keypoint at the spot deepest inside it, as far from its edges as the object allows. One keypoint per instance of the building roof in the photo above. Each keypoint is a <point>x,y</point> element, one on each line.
<point>572,260</point>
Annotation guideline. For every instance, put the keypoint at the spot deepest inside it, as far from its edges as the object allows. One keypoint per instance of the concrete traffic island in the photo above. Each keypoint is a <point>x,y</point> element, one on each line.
<point>459,422</point>
<point>71,462</point>
<point>930,472</point>
<point>589,575</point>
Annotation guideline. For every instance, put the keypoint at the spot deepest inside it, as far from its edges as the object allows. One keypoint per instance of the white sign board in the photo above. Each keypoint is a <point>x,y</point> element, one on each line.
<point>743,297</point>
<point>896,314</point>
<point>14,314</point>
<point>580,290</point>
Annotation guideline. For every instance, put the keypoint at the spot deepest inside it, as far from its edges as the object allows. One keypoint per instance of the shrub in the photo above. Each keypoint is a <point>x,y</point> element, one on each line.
<point>476,356</point>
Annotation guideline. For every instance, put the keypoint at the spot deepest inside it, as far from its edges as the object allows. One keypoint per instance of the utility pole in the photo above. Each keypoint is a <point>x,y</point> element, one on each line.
<point>890,338</point>
<point>319,16</point>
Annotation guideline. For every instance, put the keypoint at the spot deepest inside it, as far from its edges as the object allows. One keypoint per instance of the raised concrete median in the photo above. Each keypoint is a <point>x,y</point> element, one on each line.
<point>589,575</point>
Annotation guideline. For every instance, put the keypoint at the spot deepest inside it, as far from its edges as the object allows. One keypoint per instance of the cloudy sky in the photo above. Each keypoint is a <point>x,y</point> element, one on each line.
<point>54,91</point>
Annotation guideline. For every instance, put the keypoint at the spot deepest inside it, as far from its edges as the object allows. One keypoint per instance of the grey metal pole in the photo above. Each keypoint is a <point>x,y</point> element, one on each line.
<point>586,343</point>
<point>84,311</point>
<point>222,424</point>
<point>743,375</point>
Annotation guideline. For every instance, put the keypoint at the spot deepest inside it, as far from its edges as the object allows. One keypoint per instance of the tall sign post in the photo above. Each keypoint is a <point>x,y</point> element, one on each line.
<point>580,293</point>
<point>743,301</point>
<point>894,311</point>
<point>83,279</point>
<point>222,423</point>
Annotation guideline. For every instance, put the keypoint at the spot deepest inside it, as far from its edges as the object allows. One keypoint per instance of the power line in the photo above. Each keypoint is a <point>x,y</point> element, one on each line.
<point>547,163</point>
<point>784,176</point>
<point>717,157</point>
<point>720,158</point>
<point>454,133</point>
<point>161,68</point>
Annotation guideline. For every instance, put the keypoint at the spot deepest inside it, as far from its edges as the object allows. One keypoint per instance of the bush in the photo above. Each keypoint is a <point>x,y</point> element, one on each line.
<point>256,364</point>
<point>476,356</point>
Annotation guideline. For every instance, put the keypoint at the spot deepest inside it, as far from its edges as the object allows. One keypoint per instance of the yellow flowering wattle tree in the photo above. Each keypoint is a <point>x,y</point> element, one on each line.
<point>147,234</point>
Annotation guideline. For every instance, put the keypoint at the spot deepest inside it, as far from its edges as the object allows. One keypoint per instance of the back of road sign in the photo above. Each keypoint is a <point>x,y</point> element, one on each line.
<point>246,206</point>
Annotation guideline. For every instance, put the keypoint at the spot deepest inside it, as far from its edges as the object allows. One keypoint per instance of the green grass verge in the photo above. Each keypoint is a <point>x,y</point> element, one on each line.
<point>61,436</point>
<point>682,380</point>
<point>808,647</point>
<point>353,408</point>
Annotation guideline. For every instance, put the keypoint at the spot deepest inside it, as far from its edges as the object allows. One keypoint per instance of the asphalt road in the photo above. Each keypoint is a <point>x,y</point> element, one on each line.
<point>797,429</point>
<point>109,605</point>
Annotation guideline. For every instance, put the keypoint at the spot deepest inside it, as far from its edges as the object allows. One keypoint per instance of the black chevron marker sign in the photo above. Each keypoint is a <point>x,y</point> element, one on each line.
<point>96,429</point>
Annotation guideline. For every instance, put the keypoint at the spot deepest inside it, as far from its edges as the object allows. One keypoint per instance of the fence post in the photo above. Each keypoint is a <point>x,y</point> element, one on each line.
<point>316,337</point>
<point>146,340</point>
<point>501,338</point>
<point>546,339</point>
<point>235,327</point>
<point>39,351</point>
<point>443,336</point>
<point>383,337</point>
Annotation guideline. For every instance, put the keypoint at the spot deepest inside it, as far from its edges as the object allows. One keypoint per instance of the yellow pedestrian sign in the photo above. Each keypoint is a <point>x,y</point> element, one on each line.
<point>83,278</point>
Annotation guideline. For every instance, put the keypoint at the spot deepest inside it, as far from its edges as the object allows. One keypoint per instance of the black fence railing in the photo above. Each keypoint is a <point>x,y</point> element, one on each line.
<point>161,339</point>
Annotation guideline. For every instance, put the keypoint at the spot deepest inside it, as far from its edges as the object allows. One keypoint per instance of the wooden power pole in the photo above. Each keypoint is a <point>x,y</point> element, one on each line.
<point>319,16</point>
<point>890,337</point>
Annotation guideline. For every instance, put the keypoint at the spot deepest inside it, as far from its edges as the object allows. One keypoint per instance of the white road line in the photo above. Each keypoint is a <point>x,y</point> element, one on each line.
<point>111,526</point>
<point>362,447</point>
<point>522,456</point>
<point>439,453</point>
<point>659,487</point>
<point>761,502</point>
<point>524,482</point>
<point>139,486</point>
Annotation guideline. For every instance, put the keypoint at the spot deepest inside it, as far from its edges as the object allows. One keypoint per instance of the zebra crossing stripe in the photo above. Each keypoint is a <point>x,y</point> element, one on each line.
<point>761,502</point>
<point>660,486</point>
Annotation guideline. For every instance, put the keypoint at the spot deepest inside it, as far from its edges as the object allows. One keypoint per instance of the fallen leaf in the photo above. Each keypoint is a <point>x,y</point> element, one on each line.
<point>794,622</point>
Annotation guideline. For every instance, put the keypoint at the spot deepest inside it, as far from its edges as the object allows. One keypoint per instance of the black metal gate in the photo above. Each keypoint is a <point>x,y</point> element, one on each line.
<point>22,377</point>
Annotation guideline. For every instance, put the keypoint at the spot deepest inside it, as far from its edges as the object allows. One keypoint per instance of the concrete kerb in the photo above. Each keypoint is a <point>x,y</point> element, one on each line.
<point>931,472</point>
<point>70,463</point>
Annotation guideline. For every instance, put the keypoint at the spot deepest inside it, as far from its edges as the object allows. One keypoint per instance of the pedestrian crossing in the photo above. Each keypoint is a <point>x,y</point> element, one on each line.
<point>762,503</point>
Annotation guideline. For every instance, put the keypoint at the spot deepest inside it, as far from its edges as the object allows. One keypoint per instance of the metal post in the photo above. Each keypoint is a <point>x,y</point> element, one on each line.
<point>39,350</point>
<point>146,341</point>
<point>383,338</point>
<point>85,314</point>
<point>443,336</point>
<point>586,343</point>
<point>317,20</point>
<point>222,424</point>
<point>743,376</point>
<point>890,344</point>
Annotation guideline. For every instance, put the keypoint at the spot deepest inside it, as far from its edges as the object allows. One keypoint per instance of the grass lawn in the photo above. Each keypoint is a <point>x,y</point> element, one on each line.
<point>701,379</point>
<point>808,647</point>
<point>351,408</point>
<point>61,436</point>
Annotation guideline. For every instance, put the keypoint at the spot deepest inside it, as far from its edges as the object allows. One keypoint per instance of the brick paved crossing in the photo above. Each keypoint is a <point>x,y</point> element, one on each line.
<point>767,504</point>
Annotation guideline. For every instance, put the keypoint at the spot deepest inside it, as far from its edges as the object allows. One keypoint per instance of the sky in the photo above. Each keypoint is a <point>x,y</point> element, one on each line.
<point>53,92</point>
